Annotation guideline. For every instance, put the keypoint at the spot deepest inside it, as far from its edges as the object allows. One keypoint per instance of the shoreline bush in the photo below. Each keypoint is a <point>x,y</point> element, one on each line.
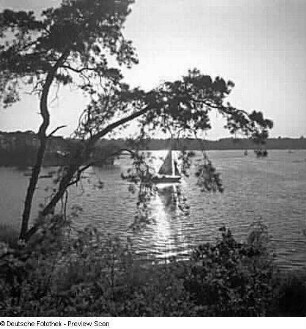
<point>8,235</point>
<point>94,274</point>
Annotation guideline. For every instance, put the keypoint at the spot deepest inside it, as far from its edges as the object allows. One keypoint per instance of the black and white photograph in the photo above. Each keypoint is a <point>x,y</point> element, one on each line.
<point>152,162</point>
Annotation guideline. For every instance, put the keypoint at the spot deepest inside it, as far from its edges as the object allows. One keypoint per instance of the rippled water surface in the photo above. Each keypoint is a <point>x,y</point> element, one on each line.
<point>273,189</point>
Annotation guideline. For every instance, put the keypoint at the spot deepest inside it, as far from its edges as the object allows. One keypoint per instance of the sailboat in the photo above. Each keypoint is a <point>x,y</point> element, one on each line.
<point>168,172</point>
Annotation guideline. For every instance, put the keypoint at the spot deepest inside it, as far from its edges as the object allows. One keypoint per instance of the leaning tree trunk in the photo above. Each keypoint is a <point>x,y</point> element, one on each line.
<point>63,186</point>
<point>43,138</point>
<point>75,166</point>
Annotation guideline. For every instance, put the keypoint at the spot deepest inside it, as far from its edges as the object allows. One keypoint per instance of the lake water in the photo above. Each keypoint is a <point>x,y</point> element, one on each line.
<point>272,189</point>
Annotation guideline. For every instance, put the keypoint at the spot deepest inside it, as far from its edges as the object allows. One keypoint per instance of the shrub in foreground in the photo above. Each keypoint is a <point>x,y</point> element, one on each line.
<point>94,274</point>
<point>292,295</point>
<point>232,279</point>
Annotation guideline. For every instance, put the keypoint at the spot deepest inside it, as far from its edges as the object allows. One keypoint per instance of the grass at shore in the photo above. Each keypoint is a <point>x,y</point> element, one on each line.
<point>8,234</point>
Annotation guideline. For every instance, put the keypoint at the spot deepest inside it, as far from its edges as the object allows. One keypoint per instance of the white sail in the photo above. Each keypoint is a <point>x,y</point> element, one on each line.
<point>166,168</point>
<point>168,172</point>
<point>169,166</point>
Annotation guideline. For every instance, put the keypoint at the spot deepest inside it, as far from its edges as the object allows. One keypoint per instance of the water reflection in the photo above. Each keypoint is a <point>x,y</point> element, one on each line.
<point>168,232</point>
<point>167,193</point>
<point>272,188</point>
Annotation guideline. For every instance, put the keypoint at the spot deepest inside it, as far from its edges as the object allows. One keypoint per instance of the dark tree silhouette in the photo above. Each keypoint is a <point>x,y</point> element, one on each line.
<point>69,44</point>
<point>72,45</point>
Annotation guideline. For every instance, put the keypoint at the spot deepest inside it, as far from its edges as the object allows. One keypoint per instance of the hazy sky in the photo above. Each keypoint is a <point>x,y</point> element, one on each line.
<point>258,44</point>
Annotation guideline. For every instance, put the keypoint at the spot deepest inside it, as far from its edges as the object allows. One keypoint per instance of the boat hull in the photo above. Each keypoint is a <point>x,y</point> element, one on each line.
<point>166,179</point>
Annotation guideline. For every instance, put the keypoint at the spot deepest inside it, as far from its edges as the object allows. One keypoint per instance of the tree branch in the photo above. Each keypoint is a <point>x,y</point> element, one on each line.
<point>116,124</point>
<point>92,163</point>
<point>56,129</point>
<point>68,67</point>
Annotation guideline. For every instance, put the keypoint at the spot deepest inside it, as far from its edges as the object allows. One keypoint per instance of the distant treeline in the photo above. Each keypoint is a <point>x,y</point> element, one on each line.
<point>221,144</point>
<point>20,148</point>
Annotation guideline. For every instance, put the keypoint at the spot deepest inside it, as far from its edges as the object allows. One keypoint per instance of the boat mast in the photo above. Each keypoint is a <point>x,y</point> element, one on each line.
<point>172,165</point>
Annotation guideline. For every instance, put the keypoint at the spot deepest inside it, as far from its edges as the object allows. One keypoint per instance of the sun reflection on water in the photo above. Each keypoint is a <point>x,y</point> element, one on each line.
<point>167,226</point>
